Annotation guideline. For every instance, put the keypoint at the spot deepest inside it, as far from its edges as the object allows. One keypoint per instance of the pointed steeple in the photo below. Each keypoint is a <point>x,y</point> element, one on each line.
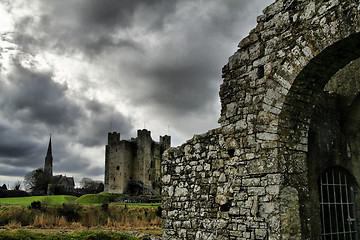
<point>49,160</point>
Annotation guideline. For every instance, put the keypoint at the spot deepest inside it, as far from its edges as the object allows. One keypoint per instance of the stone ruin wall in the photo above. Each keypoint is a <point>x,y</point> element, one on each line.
<point>247,179</point>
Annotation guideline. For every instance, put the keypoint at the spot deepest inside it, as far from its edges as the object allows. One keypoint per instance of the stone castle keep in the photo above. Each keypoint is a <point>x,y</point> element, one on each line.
<point>285,162</point>
<point>134,165</point>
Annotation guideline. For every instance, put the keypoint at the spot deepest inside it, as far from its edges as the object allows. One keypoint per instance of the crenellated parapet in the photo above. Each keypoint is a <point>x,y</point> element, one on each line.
<point>133,161</point>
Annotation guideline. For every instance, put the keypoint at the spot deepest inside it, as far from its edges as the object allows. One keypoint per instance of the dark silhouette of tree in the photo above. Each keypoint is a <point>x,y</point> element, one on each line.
<point>89,185</point>
<point>4,187</point>
<point>37,181</point>
<point>17,185</point>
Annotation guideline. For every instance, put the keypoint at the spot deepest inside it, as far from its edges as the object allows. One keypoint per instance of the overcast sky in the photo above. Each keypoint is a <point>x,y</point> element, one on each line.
<point>80,68</point>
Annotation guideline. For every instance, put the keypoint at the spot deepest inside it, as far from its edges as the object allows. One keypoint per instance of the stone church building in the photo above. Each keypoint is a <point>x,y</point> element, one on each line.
<point>58,184</point>
<point>285,162</point>
<point>134,165</point>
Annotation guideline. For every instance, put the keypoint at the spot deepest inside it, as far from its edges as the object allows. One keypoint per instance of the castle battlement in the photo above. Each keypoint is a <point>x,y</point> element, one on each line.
<point>135,160</point>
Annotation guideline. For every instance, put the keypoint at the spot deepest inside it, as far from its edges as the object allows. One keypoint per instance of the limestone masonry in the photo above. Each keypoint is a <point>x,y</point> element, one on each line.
<point>134,165</point>
<point>285,163</point>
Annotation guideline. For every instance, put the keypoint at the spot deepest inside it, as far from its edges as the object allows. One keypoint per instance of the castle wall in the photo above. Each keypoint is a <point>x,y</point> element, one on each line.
<point>137,160</point>
<point>255,176</point>
<point>143,158</point>
<point>118,165</point>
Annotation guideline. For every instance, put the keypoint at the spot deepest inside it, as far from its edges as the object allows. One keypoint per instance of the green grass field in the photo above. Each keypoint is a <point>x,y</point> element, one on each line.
<point>26,201</point>
<point>94,199</point>
<point>87,199</point>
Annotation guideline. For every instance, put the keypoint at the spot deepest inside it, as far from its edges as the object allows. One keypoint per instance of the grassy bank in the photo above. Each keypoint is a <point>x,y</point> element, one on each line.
<point>93,199</point>
<point>85,235</point>
<point>87,199</point>
<point>73,216</point>
<point>48,200</point>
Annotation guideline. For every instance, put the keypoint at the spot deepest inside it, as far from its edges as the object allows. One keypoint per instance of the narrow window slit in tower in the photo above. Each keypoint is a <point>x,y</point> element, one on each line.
<point>261,71</point>
<point>231,152</point>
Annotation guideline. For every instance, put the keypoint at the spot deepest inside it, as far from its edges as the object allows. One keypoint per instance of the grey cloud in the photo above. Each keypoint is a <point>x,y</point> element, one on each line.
<point>13,146</point>
<point>173,72</point>
<point>95,171</point>
<point>106,44</point>
<point>35,97</point>
<point>113,13</point>
<point>13,172</point>
<point>17,149</point>
<point>35,104</point>
<point>68,163</point>
<point>74,163</point>
<point>185,74</point>
<point>102,118</point>
<point>183,88</point>
<point>89,26</point>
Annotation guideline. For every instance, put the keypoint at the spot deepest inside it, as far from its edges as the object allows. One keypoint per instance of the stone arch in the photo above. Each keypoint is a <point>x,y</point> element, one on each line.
<point>309,84</point>
<point>306,91</point>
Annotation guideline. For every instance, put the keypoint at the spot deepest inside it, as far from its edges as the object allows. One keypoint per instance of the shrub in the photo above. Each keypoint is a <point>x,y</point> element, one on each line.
<point>70,211</point>
<point>35,205</point>
<point>46,201</point>
<point>158,212</point>
<point>105,206</point>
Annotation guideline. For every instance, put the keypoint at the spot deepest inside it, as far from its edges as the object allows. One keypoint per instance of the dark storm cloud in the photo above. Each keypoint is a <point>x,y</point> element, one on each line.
<point>102,119</point>
<point>105,44</point>
<point>67,162</point>
<point>180,76</point>
<point>35,97</point>
<point>31,104</point>
<point>73,163</point>
<point>15,148</point>
<point>89,26</point>
<point>183,88</point>
<point>13,171</point>
<point>111,14</point>
<point>185,75</point>
<point>163,56</point>
<point>95,171</point>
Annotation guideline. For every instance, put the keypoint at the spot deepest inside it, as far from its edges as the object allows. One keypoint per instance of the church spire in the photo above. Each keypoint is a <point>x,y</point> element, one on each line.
<point>49,160</point>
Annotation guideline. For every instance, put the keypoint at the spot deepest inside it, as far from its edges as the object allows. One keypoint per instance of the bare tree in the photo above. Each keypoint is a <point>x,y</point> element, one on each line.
<point>91,186</point>
<point>17,185</point>
<point>37,181</point>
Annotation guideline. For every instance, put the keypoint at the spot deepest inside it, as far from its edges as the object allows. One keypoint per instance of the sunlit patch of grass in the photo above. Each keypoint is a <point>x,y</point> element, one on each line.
<point>95,199</point>
<point>47,200</point>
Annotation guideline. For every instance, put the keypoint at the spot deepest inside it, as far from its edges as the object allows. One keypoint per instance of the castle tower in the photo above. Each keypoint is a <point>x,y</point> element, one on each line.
<point>49,160</point>
<point>134,163</point>
<point>142,161</point>
<point>165,142</point>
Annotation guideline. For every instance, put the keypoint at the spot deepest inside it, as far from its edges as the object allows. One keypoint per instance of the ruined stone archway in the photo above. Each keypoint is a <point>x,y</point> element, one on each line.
<point>253,177</point>
<point>301,156</point>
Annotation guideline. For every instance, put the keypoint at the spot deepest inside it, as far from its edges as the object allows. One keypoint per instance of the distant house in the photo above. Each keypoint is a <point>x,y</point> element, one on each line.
<point>67,183</point>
